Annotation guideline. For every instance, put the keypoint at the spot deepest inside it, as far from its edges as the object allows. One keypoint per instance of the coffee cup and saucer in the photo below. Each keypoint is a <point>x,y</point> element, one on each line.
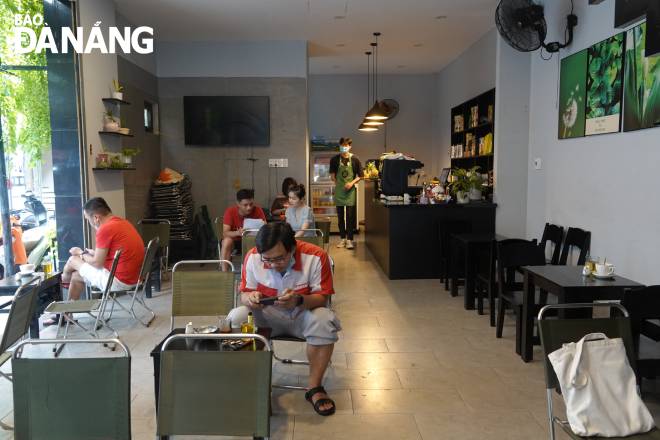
<point>603,271</point>
<point>26,270</point>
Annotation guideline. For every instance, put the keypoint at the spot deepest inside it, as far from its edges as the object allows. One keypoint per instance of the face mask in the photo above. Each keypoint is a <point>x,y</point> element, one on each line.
<point>344,149</point>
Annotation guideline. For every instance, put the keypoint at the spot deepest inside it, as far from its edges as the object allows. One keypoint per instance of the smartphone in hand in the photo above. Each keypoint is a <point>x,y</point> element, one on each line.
<point>268,300</point>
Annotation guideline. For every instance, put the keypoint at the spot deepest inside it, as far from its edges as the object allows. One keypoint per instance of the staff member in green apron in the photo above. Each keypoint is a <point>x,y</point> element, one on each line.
<point>346,172</point>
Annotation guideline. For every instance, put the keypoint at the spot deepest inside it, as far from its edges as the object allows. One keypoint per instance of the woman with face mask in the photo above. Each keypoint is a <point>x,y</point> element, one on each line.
<point>346,172</point>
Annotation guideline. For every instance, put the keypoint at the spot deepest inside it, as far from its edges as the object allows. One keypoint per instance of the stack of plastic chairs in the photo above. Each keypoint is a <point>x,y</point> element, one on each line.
<point>173,201</point>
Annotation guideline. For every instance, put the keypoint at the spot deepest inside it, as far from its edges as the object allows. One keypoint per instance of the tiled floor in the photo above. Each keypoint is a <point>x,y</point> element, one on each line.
<point>410,364</point>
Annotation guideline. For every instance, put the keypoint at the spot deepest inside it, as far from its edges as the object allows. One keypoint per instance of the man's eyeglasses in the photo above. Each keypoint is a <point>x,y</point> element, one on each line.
<point>279,259</point>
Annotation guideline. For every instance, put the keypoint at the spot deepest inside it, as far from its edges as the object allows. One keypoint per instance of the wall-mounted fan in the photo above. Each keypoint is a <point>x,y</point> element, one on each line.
<point>522,24</point>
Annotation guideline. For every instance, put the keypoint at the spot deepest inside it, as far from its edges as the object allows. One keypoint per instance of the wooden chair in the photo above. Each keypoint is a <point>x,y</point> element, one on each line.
<point>579,239</point>
<point>511,255</point>
<point>554,235</point>
<point>643,305</point>
<point>445,230</point>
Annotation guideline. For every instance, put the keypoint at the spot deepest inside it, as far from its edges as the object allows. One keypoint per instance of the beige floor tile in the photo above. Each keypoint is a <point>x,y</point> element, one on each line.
<point>376,379</point>
<point>390,360</point>
<point>360,346</point>
<point>407,401</point>
<point>351,427</point>
<point>479,426</point>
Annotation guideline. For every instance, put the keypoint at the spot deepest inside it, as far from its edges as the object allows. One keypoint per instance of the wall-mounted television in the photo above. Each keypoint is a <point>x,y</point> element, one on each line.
<point>226,120</point>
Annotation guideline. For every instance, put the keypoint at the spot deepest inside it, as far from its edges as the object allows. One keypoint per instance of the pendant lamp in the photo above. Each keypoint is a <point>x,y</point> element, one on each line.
<point>364,127</point>
<point>377,112</point>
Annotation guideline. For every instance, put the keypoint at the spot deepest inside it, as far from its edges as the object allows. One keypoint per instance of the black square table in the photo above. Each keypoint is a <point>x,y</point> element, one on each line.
<point>570,286</point>
<point>471,244</point>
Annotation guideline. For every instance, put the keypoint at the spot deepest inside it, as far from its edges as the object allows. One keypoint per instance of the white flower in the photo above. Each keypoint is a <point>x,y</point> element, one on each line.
<point>570,114</point>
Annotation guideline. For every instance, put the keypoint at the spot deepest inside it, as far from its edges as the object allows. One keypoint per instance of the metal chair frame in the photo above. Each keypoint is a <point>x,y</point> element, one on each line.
<point>184,263</point>
<point>552,419</point>
<point>94,308</point>
<point>138,292</point>
<point>5,343</point>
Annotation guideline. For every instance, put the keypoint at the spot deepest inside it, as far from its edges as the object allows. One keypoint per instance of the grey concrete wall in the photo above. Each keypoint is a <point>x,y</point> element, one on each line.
<point>338,104</point>
<point>217,172</point>
<point>139,86</point>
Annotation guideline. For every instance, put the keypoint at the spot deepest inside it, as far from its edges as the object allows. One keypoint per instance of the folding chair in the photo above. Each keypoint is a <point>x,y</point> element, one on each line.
<point>556,332</point>
<point>214,392</point>
<point>20,314</point>
<point>151,228</point>
<point>93,307</point>
<point>248,241</point>
<point>78,398</point>
<point>138,292</point>
<point>198,291</point>
<point>324,226</point>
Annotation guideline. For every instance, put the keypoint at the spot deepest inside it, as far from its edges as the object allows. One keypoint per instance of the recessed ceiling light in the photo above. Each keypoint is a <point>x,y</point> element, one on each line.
<point>339,17</point>
<point>440,17</point>
<point>418,45</point>
<point>341,45</point>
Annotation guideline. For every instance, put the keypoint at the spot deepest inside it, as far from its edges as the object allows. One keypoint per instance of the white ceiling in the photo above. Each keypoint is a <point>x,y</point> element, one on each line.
<point>404,24</point>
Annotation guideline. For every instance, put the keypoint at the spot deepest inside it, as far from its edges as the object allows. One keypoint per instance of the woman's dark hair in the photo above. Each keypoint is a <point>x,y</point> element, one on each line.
<point>272,233</point>
<point>287,183</point>
<point>346,141</point>
<point>298,190</point>
<point>97,205</point>
<point>243,194</point>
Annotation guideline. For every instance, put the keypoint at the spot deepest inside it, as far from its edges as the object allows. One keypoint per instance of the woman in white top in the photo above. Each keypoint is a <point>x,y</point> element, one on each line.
<point>298,214</point>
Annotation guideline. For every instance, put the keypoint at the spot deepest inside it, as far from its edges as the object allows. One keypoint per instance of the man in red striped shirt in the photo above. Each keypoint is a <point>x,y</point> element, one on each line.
<point>299,276</point>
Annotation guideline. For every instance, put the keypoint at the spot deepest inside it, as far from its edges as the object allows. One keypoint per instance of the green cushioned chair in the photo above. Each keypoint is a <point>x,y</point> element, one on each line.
<point>248,241</point>
<point>324,225</point>
<point>81,398</point>
<point>200,288</point>
<point>556,332</point>
<point>317,239</point>
<point>20,314</point>
<point>214,392</point>
<point>150,228</point>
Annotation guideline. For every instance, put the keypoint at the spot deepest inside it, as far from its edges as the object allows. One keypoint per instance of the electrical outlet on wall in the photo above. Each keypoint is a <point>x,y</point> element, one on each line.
<point>278,163</point>
<point>538,163</point>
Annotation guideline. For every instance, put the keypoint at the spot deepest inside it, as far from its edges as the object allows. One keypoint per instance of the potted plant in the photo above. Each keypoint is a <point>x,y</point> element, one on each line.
<point>116,161</point>
<point>102,159</point>
<point>118,90</point>
<point>110,122</point>
<point>466,184</point>
<point>128,155</point>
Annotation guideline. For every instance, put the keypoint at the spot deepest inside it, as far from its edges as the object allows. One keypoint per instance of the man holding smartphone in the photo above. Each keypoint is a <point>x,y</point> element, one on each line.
<point>296,278</point>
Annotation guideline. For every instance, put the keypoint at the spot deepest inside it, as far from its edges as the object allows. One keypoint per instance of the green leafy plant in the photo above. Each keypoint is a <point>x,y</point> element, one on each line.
<point>604,77</point>
<point>118,87</point>
<point>108,114</point>
<point>642,83</point>
<point>466,179</point>
<point>130,152</point>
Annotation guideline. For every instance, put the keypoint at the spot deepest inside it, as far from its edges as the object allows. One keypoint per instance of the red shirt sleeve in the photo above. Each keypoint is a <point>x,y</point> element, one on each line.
<point>228,218</point>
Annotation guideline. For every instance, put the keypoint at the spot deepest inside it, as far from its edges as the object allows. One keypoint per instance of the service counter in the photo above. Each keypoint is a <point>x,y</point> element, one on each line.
<point>404,239</point>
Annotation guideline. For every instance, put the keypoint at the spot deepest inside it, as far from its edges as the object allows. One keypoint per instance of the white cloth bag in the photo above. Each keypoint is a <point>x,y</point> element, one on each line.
<point>599,388</point>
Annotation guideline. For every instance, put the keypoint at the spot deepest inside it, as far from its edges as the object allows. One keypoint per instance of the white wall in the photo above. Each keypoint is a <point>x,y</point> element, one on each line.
<point>338,103</point>
<point>606,184</point>
<point>511,139</point>
<point>471,74</point>
<point>145,61</point>
<point>232,59</point>
<point>98,71</point>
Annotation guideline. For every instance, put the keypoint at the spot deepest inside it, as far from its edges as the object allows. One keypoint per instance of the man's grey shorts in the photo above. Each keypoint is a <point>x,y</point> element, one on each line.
<point>318,326</point>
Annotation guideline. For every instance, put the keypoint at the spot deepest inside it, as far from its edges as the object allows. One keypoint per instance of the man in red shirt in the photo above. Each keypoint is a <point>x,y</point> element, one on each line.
<point>92,266</point>
<point>232,221</point>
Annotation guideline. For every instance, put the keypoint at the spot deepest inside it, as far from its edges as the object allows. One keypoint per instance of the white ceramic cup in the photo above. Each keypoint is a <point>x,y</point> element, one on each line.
<point>605,269</point>
<point>26,268</point>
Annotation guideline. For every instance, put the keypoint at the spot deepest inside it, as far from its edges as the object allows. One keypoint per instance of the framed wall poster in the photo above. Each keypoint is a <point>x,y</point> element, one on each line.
<point>604,86</point>
<point>641,83</point>
<point>572,91</point>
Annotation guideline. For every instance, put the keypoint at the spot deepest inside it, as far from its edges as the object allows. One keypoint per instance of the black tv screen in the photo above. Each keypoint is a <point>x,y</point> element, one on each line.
<point>226,120</point>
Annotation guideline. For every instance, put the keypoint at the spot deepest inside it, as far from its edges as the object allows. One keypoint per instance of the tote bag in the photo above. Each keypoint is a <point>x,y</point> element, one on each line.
<point>599,388</point>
